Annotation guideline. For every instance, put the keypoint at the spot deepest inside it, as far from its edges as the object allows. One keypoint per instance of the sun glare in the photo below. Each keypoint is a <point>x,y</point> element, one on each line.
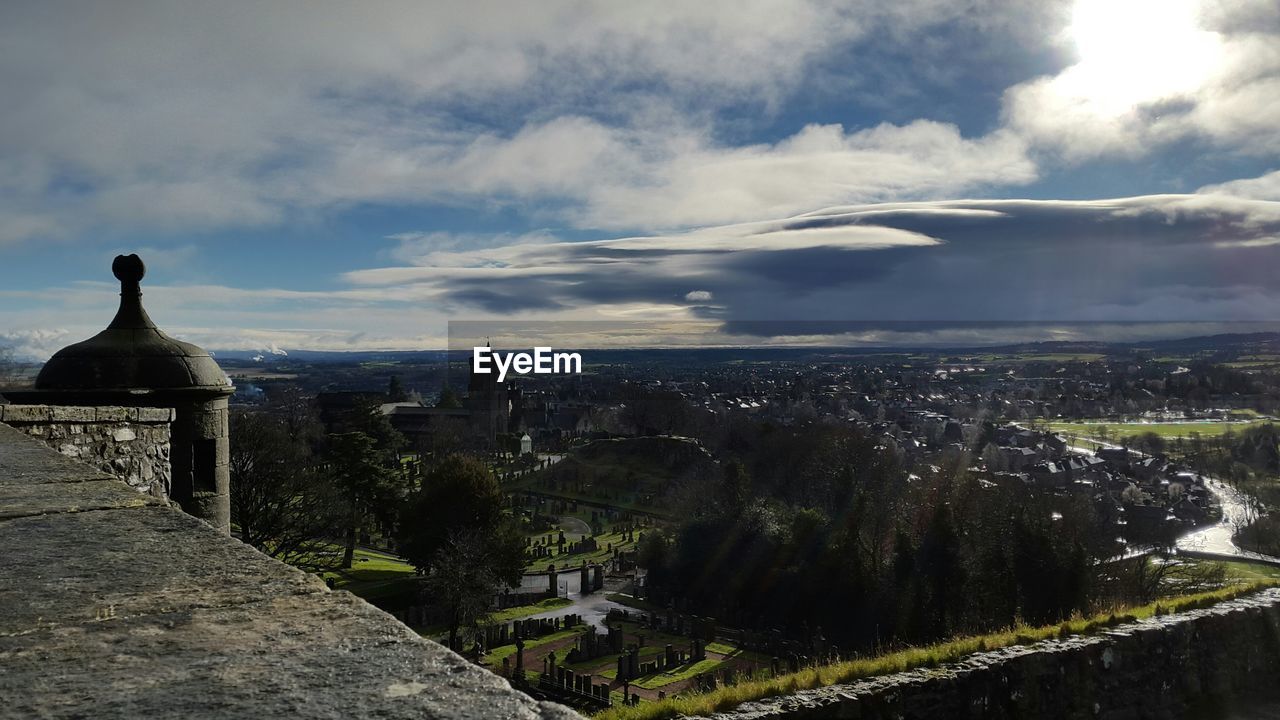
<point>1133,52</point>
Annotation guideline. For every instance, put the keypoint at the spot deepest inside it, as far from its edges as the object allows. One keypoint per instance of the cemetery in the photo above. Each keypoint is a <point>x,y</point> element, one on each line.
<point>560,532</point>
<point>637,657</point>
<point>640,475</point>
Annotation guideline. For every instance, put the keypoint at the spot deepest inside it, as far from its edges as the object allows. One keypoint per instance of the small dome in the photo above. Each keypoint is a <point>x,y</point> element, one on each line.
<point>132,353</point>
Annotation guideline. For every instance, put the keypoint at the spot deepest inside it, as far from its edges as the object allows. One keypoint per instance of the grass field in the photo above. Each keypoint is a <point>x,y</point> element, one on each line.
<point>372,575</point>
<point>1166,430</point>
<point>1245,362</point>
<point>562,561</point>
<point>516,613</point>
<point>726,698</point>
<point>1244,573</point>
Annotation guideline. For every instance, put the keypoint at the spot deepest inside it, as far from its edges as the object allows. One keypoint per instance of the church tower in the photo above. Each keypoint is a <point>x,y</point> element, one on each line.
<point>490,404</point>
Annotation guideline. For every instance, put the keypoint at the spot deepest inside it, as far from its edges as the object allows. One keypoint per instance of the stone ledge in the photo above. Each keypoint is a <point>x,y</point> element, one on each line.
<point>165,562</point>
<point>24,500</point>
<point>136,610</point>
<point>27,461</point>
<point>325,656</point>
<point>81,414</point>
<point>1161,667</point>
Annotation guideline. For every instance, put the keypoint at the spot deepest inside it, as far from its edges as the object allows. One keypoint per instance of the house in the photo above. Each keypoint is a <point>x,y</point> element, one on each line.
<point>1117,457</point>
<point>1018,458</point>
<point>1049,474</point>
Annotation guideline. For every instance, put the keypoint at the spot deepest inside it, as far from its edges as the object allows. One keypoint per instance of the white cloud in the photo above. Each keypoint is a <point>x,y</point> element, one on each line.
<point>1266,187</point>
<point>33,344</point>
<point>1148,73</point>
<point>693,183</point>
<point>205,116</point>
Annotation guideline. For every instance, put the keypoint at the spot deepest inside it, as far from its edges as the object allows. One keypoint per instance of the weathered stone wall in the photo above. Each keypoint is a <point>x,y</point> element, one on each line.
<point>131,443</point>
<point>113,607</point>
<point>1207,663</point>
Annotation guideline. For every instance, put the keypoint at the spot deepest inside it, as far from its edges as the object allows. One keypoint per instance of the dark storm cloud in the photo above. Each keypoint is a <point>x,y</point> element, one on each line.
<point>1168,257</point>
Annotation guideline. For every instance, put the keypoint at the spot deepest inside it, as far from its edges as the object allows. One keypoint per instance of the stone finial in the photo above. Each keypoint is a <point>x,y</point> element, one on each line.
<point>128,269</point>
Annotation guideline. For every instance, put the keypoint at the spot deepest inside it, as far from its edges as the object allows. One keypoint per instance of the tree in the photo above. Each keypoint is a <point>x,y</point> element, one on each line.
<point>465,573</point>
<point>368,487</point>
<point>656,412</point>
<point>734,490</point>
<point>458,493</point>
<point>279,502</point>
<point>296,408</point>
<point>448,399</point>
<point>1151,442</point>
<point>993,459</point>
<point>1158,574</point>
<point>456,532</point>
<point>395,390</point>
<point>367,418</point>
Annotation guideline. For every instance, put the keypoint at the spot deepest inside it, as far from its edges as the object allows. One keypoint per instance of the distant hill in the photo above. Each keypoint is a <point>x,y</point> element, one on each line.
<point>1205,343</point>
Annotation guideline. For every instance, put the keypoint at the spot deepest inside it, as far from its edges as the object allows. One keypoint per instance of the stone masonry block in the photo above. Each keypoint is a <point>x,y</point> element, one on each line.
<point>155,415</point>
<point>27,413</point>
<point>210,424</point>
<point>116,414</point>
<point>71,413</point>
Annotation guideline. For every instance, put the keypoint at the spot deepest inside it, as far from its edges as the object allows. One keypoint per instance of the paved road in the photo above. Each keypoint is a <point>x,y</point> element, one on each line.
<point>1214,540</point>
<point>593,607</point>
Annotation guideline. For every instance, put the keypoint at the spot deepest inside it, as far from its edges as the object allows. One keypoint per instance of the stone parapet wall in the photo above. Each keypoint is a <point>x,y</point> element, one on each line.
<point>131,443</point>
<point>1217,662</point>
<point>114,607</point>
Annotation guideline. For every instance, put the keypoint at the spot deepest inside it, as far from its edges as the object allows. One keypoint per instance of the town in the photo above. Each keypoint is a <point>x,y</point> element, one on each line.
<point>1146,472</point>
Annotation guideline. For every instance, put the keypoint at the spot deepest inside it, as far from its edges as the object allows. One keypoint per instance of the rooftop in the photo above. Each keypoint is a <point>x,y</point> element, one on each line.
<point>131,353</point>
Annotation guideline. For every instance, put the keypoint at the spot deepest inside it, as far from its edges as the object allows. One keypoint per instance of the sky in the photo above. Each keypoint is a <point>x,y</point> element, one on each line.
<point>353,176</point>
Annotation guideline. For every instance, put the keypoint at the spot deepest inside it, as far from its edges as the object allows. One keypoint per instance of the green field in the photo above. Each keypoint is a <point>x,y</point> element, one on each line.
<point>603,541</point>
<point>515,613</point>
<point>372,575</point>
<point>1165,430</point>
<point>1246,572</point>
<point>1254,361</point>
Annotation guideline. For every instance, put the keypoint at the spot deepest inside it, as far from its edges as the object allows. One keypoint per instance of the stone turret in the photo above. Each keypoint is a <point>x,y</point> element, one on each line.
<point>132,363</point>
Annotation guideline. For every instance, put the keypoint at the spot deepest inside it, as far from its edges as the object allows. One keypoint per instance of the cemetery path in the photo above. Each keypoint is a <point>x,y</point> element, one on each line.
<point>578,526</point>
<point>593,607</point>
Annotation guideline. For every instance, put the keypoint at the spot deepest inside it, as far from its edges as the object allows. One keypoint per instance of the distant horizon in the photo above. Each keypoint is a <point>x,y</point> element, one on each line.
<point>694,345</point>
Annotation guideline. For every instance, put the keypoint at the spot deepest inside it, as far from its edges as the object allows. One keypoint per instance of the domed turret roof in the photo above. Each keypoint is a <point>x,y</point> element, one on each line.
<point>132,353</point>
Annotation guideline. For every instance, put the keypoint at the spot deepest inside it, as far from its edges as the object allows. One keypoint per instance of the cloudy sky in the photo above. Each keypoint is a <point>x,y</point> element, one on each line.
<point>353,175</point>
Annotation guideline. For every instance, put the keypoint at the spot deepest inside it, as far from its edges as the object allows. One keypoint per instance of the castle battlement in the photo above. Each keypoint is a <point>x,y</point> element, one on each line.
<point>115,605</point>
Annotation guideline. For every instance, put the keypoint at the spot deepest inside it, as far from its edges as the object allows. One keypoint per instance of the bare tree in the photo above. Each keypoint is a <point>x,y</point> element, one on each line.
<point>462,581</point>
<point>280,502</point>
<point>1160,575</point>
